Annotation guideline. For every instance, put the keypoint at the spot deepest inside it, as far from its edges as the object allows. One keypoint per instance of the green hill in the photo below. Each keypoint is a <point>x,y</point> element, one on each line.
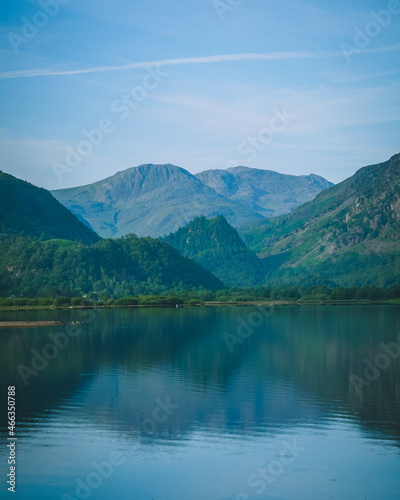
<point>32,211</point>
<point>217,247</point>
<point>349,234</point>
<point>116,268</point>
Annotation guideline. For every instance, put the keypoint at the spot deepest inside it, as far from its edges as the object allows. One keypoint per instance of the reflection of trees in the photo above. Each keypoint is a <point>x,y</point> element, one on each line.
<point>294,369</point>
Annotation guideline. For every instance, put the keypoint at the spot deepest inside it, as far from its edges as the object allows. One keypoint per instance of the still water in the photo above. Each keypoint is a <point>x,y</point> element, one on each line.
<point>208,403</point>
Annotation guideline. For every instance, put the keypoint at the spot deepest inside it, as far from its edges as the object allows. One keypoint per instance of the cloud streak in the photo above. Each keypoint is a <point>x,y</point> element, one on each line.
<point>270,56</point>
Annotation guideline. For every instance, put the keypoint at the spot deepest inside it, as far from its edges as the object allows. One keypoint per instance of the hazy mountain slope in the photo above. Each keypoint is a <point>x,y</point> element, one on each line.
<point>358,217</point>
<point>268,193</point>
<point>32,211</point>
<point>217,247</point>
<point>149,200</point>
<point>158,199</point>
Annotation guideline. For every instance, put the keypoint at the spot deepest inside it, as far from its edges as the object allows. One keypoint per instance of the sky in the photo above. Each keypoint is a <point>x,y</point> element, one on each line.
<point>89,88</point>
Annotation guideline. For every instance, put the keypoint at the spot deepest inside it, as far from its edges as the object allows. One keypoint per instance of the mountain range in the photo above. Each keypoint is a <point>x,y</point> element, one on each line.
<point>154,200</point>
<point>348,235</point>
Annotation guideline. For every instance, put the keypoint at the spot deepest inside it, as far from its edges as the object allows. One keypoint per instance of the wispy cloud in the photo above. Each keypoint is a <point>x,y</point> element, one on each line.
<point>322,108</point>
<point>270,56</point>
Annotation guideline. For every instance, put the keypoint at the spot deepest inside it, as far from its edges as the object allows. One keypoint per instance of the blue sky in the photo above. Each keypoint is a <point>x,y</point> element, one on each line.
<point>91,88</point>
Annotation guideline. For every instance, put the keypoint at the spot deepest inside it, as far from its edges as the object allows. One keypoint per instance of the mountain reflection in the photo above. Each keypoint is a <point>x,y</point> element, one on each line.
<point>292,370</point>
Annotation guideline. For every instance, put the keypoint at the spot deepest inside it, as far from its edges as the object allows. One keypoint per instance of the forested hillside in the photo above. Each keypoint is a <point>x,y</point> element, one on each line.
<point>115,268</point>
<point>217,247</point>
<point>32,211</point>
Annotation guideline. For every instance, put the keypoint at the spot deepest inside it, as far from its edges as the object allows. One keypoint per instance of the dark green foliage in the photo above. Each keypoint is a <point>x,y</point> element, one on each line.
<point>229,295</point>
<point>349,269</point>
<point>113,268</point>
<point>217,247</point>
<point>32,211</point>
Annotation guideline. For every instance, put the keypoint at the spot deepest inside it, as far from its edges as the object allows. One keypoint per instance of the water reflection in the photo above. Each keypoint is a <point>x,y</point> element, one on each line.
<point>293,370</point>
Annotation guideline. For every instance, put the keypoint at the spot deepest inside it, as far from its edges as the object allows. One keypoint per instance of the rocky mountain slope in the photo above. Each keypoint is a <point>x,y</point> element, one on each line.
<point>268,193</point>
<point>357,219</point>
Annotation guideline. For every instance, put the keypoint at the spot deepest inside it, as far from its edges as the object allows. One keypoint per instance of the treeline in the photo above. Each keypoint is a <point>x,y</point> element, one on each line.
<point>196,297</point>
<point>167,300</point>
<point>315,293</point>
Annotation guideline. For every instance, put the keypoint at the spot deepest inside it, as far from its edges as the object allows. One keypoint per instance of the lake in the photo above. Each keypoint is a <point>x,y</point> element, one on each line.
<point>290,402</point>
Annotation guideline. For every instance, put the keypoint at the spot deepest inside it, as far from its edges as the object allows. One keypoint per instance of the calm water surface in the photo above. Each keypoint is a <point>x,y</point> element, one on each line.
<point>211,403</point>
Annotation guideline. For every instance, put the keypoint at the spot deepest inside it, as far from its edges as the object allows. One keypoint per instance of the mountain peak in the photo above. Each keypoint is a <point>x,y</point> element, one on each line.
<point>155,167</point>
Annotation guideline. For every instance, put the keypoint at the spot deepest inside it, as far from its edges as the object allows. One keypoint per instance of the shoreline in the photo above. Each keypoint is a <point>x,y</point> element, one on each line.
<point>270,303</point>
<point>28,324</point>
